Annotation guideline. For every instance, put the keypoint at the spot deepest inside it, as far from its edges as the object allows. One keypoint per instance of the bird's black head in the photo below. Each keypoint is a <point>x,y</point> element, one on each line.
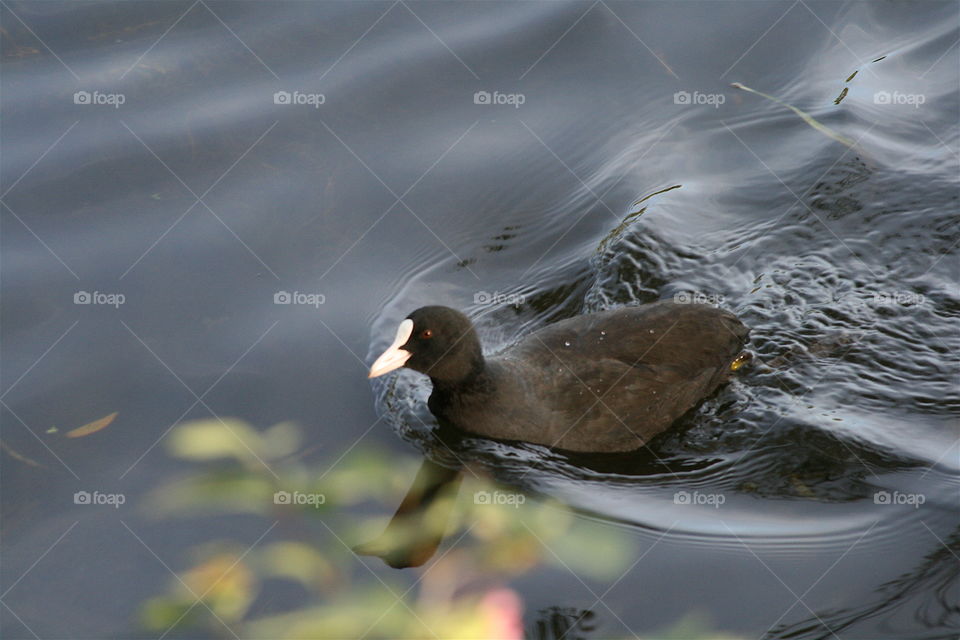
<point>437,341</point>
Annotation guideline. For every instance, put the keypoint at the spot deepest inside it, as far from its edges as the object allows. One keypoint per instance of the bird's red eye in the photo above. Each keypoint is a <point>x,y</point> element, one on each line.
<point>427,333</point>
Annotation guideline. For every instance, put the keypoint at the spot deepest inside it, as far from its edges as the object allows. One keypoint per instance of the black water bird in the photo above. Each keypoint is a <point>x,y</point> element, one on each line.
<point>601,382</point>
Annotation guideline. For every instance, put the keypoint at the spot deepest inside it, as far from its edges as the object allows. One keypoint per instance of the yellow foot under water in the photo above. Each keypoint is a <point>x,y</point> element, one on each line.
<point>741,360</point>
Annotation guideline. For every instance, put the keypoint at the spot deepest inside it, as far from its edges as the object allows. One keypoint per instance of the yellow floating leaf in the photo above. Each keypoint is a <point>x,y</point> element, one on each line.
<point>19,456</point>
<point>92,427</point>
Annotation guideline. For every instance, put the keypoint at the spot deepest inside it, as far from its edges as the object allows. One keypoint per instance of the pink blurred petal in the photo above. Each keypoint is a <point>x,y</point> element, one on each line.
<point>503,610</point>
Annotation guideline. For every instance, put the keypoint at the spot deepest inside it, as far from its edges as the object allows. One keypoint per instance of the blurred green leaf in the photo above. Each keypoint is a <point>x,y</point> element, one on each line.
<point>279,441</point>
<point>372,611</point>
<point>162,613</point>
<point>224,583</point>
<point>213,439</point>
<point>296,561</point>
<point>220,491</point>
<point>230,438</point>
<point>599,550</point>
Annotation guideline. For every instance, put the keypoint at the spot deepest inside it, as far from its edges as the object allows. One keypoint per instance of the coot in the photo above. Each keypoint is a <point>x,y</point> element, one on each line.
<point>601,382</point>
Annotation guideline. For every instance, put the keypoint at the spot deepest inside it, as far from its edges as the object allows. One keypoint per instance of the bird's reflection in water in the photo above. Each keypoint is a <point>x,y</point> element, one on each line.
<point>418,526</point>
<point>422,520</point>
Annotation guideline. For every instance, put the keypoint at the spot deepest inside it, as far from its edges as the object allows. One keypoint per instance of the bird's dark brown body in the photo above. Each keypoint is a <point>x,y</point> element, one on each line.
<point>601,382</point>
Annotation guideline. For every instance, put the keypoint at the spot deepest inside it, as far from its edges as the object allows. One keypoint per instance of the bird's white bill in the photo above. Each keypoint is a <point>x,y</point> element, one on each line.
<point>394,357</point>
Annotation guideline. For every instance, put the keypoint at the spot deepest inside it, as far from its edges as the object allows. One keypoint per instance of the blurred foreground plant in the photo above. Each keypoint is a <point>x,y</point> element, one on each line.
<point>494,535</point>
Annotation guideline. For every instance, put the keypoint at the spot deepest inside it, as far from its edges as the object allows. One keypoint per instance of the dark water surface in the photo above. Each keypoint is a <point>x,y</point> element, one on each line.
<point>203,195</point>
